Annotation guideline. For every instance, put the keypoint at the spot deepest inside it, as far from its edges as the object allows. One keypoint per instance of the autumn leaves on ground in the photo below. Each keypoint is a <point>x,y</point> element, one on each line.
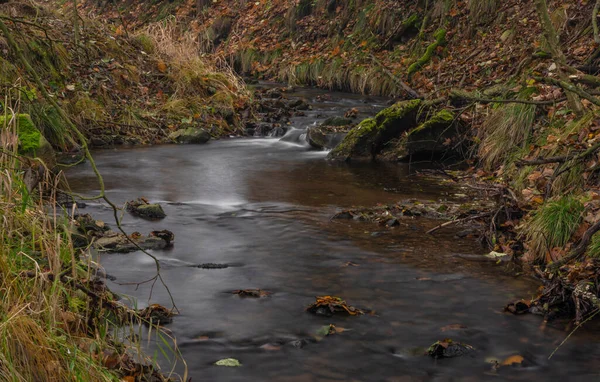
<point>508,88</point>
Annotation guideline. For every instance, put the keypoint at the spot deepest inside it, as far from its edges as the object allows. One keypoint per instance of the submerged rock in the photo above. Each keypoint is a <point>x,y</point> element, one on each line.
<point>448,348</point>
<point>190,135</point>
<point>367,139</point>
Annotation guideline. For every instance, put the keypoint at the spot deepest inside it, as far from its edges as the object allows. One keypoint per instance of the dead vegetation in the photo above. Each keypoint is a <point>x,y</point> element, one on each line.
<point>58,320</point>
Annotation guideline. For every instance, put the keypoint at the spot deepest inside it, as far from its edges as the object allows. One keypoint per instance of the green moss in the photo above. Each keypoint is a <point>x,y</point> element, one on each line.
<point>440,40</point>
<point>396,111</point>
<point>367,139</point>
<point>29,135</point>
<point>443,117</point>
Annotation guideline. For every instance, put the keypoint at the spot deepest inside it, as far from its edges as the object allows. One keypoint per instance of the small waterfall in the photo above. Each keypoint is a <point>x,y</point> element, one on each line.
<point>295,136</point>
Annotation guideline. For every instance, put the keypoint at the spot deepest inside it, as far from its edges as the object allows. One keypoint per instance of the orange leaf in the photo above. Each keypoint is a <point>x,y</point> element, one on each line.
<point>513,359</point>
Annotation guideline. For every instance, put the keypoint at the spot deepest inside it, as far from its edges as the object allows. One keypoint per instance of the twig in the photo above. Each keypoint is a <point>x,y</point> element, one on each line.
<point>462,95</point>
<point>458,221</point>
<point>573,331</point>
<point>570,88</point>
<point>413,94</point>
<point>595,21</point>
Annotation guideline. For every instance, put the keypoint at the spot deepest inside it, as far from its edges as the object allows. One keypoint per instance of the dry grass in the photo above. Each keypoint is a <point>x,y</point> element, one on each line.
<point>505,131</point>
<point>51,329</point>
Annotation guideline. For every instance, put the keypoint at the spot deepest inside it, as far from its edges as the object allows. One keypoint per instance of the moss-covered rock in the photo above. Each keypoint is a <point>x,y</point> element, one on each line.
<point>190,135</point>
<point>436,136</point>
<point>432,135</point>
<point>367,139</point>
<point>31,141</point>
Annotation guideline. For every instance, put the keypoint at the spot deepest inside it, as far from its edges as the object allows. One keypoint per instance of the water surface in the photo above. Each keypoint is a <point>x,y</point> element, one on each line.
<point>264,207</point>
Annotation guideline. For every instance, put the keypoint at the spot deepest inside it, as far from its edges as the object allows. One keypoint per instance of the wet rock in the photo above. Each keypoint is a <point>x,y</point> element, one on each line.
<point>68,159</point>
<point>299,104</point>
<point>299,344</point>
<point>118,243</point>
<point>392,223</point>
<point>346,215</point>
<point>278,132</point>
<point>263,130</point>
<point>156,314</point>
<point>190,135</point>
<point>367,139</point>
<point>98,141</point>
<point>140,207</point>
<point>273,93</point>
<point>316,138</point>
<point>330,305</point>
<point>212,266</point>
<point>448,348</point>
<point>255,293</point>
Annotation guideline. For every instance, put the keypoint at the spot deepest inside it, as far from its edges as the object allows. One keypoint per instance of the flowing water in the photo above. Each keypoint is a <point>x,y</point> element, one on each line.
<point>263,206</point>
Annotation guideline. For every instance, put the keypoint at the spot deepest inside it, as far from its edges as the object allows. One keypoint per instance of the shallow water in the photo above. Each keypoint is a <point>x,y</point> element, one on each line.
<point>264,207</point>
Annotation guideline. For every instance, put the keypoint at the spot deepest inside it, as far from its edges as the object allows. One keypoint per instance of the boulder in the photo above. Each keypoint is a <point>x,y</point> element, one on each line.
<point>436,136</point>
<point>316,138</point>
<point>367,139</point>
<point>31,141</point>
<point>190,135</point>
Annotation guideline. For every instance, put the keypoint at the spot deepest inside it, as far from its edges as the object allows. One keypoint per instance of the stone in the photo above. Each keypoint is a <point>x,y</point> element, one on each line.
<point>367,139</point>
<point>140,207</point>
<point>190,135</point>
<point>152,211</point>
<point>316,138</point>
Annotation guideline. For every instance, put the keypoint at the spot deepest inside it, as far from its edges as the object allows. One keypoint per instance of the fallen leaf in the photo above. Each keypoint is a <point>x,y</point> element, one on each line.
<point>512,360</point>
<point>228,362</point>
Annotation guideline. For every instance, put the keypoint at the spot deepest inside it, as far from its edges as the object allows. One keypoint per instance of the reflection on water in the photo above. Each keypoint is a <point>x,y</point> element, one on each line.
<point>264,206</point>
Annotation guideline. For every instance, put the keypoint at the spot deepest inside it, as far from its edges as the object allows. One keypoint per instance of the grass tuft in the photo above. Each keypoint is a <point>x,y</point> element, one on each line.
<point>552,225</point>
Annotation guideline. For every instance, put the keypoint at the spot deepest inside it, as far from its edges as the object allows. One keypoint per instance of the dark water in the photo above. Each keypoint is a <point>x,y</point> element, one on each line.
<point>264,206</point>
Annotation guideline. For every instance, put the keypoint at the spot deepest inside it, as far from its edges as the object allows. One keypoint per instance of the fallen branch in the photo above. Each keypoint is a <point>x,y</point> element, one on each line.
<point>456,94</point>
<point>570,88</point>
<point>595,22</point>
<point>559,159</point>
<point>483,215</point>
<point>413,94</point>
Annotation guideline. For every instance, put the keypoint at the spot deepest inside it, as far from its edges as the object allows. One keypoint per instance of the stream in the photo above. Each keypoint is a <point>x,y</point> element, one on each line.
<point>263,206</point>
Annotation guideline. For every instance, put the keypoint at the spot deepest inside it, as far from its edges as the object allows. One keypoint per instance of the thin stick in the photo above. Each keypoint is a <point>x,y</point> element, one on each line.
<point>573,331</point>
<point>458,221</point>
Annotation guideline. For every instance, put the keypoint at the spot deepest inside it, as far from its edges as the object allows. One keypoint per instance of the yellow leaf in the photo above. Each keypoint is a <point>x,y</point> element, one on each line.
<point>512,360</point>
